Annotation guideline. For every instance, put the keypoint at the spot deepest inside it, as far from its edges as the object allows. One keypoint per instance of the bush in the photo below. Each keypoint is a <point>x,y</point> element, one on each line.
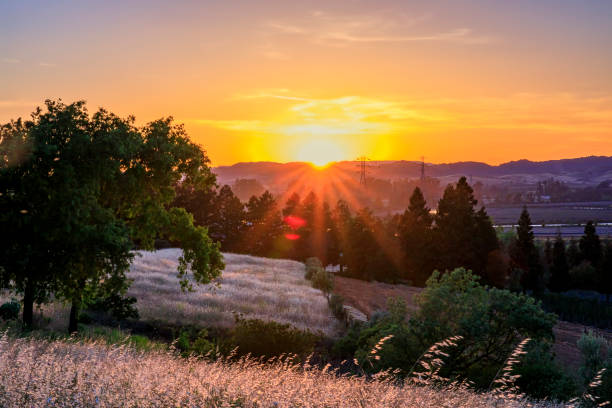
<point>323,281</point>
<point>268,339</point>
<point>336,304</point>
<point>194,341</point>
<point>591,312</point>
<point>541,377</point>
<point>313,265</point>
<point>10,310</point>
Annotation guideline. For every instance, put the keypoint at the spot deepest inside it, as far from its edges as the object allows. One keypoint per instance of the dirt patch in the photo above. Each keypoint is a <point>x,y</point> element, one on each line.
<point>371,296</point>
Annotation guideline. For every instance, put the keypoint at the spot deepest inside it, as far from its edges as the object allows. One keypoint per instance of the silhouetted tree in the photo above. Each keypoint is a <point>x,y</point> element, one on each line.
<point>265,227</point>
<point>229,223</point>
<point>463,237</point>
<point>590,246</point>
<point>416,239</point>
<point>559,269</point>
<point>605,272</point>
<point>525,255</point>
<point>244,189</point>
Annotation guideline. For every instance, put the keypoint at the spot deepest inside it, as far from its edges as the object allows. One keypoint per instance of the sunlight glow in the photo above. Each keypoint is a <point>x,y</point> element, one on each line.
<point>321,152</point>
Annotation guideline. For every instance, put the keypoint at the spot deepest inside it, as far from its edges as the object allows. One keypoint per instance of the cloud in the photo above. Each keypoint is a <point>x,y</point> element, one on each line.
<point>47,64</point>
<point>560,113</point>
<point>11,60</point>
<point>332,30</point>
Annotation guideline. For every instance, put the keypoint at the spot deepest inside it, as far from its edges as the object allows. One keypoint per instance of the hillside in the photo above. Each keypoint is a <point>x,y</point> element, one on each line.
<point>582,171</point>
<point>69,374</point>
<point>257,288</point>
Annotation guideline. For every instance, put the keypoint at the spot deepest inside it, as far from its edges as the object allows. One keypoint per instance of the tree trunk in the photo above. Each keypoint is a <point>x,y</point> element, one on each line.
<point>28,305</point>
<point>73,325</point>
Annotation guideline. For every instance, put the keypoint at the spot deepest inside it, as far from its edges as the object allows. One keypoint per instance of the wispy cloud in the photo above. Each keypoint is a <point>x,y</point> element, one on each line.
<point>11,60</point>
<point>329,29</point>
<point>47,64</point>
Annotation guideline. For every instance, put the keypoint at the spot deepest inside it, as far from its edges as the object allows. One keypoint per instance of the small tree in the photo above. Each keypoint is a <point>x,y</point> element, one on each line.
<point>590,246</point>
<point>559,270</point>
<point>525,254</point>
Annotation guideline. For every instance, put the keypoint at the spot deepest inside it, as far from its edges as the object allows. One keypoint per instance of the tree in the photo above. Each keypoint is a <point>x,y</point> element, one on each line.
<point>265,226</point>
<point>247,188</point>
<point>342,225</point>
<point>605,272</point>
<point>89,190</point>
<point>559,270</point>
<point>415,236</point>
<point>590,246</point>
<point>525,254</point>
<point>463,237</point>
<point>229,224</point>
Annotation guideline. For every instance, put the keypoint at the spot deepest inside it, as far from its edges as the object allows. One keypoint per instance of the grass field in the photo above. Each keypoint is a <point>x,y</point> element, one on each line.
<point>37,373</point>
<point>258,288</point>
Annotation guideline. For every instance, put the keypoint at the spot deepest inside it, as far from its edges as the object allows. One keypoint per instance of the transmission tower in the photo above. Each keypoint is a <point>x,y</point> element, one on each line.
<point>362,169</point>
<point>422,168</point>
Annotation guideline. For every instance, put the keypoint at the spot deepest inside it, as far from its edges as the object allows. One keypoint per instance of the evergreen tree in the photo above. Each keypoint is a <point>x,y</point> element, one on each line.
<point>462,236</point>
<point>415,237</point>
<point>342,225</point>
<point>559,269</point>
<point>590,246</point>
<point>265,226</point>
<point>525,254</point>
<point>229,223</point>
<point>605,272</point>
<point>573,254</point>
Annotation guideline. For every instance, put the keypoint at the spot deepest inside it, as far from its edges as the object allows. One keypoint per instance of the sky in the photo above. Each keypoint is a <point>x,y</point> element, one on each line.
<point>319,81</point>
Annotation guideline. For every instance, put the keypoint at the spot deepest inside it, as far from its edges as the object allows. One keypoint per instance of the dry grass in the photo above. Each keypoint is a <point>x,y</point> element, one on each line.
<point>36,373</point>
<point>259,288</point>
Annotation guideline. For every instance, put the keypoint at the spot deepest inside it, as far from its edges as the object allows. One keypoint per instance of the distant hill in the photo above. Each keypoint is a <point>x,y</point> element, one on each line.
<point>582,171</point>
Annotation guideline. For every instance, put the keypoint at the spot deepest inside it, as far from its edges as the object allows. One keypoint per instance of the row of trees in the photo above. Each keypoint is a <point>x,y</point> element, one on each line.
<point>78,192</point>
<point>559,265</point>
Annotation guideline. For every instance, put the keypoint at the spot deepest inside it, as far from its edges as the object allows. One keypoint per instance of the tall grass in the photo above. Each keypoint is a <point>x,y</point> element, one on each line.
<point>37,373</point>
<point>257,288</point>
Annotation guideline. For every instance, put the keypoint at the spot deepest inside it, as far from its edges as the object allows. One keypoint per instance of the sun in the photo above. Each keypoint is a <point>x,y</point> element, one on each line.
<point>320,152</point>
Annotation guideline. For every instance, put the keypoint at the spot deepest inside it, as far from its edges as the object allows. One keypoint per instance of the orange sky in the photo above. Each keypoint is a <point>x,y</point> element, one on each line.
<point>317,81</point>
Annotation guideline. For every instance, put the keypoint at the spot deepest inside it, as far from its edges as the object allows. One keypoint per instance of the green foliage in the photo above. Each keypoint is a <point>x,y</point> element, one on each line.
<point>336,304</point>
<point>398,309</point>
<point>595,352</point>
<point>195,341</point>
<point>10,310</point>
<point>541,377</point>
<point>591,312</point>
<point>267,339</point>
<point>323,281</point>
<point>491,322</point>
<point>583,276</point>
<point>525,255</point>
<point>85,191</point>
<point>313,265</point>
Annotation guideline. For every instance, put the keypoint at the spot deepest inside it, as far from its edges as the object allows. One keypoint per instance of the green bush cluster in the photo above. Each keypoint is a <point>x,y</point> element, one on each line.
<point>591,312</point>
<point>10,310</point>
<point>491,322</point>
<point>267,338</point>
<point>196,341</point>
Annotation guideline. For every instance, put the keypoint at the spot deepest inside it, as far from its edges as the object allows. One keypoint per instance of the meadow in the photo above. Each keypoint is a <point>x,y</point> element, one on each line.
<point>256,288</point>
<point>40,373</point>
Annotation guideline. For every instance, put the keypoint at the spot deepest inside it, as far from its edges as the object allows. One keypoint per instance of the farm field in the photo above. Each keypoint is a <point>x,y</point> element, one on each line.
<point>554,213</point>
<point>91,374</point>
<point>370,296</point>
<point>257,288</point>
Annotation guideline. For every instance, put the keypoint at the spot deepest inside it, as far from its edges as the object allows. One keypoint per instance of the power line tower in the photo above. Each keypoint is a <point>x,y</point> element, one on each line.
<point>422,168</point>
<point>362,169</point>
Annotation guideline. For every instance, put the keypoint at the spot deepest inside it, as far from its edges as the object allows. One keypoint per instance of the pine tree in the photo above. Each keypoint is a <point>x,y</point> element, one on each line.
<point>525,254</point>
<point>415,237</point>
<point>590,246</point>
<point>559,269</point>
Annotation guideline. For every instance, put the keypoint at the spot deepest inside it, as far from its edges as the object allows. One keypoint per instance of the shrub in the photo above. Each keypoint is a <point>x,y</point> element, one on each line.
<point>194,341</point>
<point>336,304</point>
<point>268,339</point>
<point>323,281</point>
<point>397,308</point>
<point>541,377</point>
<point>10,310</point>
<point>313,265</point>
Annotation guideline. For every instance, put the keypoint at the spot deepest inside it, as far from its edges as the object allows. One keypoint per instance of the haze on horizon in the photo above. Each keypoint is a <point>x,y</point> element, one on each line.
<point>316,81</point>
